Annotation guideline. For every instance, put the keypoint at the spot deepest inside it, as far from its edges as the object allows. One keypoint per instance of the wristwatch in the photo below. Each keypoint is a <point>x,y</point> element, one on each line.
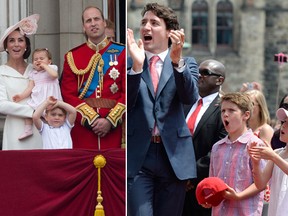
<point>179,64</point>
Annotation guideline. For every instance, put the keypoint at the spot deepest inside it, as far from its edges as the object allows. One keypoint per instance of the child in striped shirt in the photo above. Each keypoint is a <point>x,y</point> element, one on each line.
<point>231,162</point>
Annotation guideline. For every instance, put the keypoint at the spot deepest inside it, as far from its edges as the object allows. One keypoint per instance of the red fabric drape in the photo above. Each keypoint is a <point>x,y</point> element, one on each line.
<point>60,182</point>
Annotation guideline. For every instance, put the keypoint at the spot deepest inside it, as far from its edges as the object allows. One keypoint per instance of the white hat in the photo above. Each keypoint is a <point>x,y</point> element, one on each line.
<point>27,26</point>
<point>282,114</point>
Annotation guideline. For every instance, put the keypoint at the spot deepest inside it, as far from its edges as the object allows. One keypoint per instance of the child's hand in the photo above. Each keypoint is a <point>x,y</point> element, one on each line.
<point>266,152</point>
<point>52,99</point>
<point>254,152</point>
<point>230,193</point>
<point>43,65</point>
<point>16,98</point>
<point>51,102</point>
<point>260,152</point>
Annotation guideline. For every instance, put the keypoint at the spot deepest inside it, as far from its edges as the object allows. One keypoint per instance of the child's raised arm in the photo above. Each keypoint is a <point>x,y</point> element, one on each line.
<point>260,176</point>
<point>50,102</point>
<point>268,153</point>
<point>50,70</point>
<point>71,111</point>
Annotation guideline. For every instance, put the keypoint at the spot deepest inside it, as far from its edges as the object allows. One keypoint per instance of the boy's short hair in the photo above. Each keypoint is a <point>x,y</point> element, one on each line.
<point>62,109</point>
<point>241,99</point>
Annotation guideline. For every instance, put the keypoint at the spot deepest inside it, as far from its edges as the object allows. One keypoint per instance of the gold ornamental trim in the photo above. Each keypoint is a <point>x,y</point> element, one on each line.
<point>115,114</point>
<point>113,51</point>
<point>99,46</point>
<point>99,162</point>
<point>92,63</point>
<point>87,113</point>
<point>95,59</point>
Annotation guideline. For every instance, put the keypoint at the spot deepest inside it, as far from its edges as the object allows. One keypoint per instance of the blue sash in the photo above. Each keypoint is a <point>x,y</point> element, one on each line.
<point>106,58</point>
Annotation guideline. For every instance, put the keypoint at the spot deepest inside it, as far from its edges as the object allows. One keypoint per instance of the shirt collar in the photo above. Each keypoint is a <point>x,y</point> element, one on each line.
<point>161,55</point>
<point>244,138</point>
<point>208,99</point>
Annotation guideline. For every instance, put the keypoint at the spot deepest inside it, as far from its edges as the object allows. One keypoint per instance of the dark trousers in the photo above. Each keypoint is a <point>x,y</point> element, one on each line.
<point>191,206</point>
<point>155,190</point>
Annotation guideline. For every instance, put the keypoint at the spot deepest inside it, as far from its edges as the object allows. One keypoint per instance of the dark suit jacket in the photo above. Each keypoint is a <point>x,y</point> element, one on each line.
<point>166,108</point>
<point>209,130</point>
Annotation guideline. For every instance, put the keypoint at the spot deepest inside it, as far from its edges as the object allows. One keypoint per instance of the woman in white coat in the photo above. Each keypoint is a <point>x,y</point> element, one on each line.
<point>14,79</point>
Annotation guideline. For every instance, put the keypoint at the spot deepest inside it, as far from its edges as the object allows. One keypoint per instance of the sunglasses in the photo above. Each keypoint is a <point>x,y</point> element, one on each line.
<point>207,72</point>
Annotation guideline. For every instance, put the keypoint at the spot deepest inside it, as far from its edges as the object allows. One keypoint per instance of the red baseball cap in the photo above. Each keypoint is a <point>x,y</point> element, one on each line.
<point>210,190</point>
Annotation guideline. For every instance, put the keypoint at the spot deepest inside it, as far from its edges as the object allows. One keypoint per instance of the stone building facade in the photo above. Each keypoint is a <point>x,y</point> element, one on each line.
<point>60,24</point>
<point>260,30</point>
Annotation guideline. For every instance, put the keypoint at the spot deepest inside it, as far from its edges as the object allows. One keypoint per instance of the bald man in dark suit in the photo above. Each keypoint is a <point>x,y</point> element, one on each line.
<point>208,129</point>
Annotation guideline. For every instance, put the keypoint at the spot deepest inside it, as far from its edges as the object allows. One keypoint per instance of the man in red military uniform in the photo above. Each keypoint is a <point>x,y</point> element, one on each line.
<point>93,81</point>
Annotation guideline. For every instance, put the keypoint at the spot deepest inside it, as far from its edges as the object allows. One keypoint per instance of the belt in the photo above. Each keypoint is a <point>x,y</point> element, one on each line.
<point>156,139</point>
<point>100,102</point>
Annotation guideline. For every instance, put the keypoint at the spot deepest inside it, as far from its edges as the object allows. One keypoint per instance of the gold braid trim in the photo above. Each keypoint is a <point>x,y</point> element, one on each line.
<point>73,67</point>
<point>87,113</point>
<point>100,71</point>
<point>95,59</point>
<point>116,114</point>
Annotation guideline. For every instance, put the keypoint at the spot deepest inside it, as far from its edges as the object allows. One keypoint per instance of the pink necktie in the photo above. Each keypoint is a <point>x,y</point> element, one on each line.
<point>155,81</point>
<point>153,71</point>
<point>193,117</point>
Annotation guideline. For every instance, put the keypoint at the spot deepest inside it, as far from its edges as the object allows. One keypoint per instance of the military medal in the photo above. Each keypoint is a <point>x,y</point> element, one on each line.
<point>111,63</point>
<point>114,73</point>
<point>115,60</point>
<point>114,88</point>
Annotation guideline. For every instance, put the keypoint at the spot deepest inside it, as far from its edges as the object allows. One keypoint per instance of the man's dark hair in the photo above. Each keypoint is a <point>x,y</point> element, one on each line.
<point>165,13</point>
